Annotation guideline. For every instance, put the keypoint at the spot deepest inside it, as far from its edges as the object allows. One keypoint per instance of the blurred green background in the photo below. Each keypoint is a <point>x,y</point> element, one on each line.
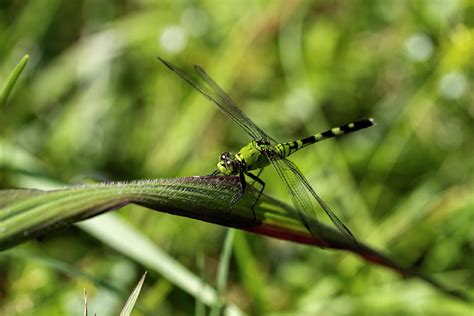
<point>95,104</point>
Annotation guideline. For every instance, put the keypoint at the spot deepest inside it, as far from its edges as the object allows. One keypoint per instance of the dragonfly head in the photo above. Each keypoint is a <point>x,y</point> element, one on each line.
<point>228,165</point>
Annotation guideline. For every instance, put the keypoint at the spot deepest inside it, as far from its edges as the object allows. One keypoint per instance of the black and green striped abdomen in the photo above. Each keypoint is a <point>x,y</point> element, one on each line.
<point>286,149</point>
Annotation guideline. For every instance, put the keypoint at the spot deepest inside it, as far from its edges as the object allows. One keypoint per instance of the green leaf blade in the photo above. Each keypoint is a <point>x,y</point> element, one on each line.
<point>12,79</point>
<point>26,213</point>
<point>132,299</point>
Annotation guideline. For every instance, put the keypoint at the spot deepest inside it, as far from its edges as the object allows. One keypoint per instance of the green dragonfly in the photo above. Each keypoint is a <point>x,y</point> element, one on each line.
<point>264,151</point>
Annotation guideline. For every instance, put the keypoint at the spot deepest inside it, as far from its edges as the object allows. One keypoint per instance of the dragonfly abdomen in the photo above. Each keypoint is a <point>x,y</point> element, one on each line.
<point>286,149</point>
<point>283,150</point>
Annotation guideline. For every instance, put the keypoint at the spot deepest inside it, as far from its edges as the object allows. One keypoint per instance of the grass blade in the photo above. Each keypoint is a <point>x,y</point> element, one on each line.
<point>12,79</point>
<point>26,213</point>
<point>251,275</point>
<point>127,308</point>
<point>200,308</point>
<point>223,272</point>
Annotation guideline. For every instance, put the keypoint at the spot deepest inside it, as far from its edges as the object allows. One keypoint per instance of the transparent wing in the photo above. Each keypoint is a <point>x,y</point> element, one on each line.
<point>215,94</point>
<point>225,103</point>
<point>301,192</point>
<point>303,197</point>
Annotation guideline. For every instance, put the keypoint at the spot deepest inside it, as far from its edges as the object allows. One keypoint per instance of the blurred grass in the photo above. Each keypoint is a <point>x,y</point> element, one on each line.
<point>95,103</point>
<point>11,80</point>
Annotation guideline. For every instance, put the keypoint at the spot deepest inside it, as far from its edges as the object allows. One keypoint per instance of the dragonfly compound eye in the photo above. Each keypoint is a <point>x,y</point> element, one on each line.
<point>231,165</point>
<point>225,156</point>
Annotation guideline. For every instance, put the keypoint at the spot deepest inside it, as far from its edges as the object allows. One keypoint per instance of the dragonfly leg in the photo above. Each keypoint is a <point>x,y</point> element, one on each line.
<point>215,173</point>
<point>258,176</point>
<point>255,178</point>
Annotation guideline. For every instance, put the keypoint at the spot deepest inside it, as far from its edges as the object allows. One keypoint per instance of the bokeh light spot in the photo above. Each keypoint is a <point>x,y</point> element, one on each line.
<point>453,85</point>
<point>173,39</point>
<point>419,47</point>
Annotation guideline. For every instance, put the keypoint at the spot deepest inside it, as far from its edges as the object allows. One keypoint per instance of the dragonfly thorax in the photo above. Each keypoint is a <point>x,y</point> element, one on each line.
<point>228,164</point>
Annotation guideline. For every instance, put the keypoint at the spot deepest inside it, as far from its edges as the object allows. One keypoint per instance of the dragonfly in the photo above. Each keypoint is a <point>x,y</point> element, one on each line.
<point>263,151</point>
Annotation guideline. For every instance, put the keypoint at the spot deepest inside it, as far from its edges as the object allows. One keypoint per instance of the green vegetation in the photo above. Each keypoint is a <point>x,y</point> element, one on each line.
<point>94,104</point>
